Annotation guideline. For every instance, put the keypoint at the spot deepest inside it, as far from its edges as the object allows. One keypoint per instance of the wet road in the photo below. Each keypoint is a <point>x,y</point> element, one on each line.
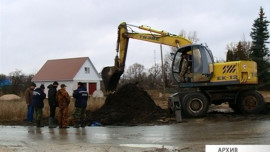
<point>187,136</point>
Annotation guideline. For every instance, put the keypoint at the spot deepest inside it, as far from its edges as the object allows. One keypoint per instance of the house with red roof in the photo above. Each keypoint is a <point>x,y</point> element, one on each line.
<point>69,71</point>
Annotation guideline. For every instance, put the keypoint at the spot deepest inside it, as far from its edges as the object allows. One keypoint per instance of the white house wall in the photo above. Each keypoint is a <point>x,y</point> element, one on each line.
<point>92,77</point>
<point>81,75</point>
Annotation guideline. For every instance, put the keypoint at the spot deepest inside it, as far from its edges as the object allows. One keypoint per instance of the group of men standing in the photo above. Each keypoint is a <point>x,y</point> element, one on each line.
<point>57,98</point>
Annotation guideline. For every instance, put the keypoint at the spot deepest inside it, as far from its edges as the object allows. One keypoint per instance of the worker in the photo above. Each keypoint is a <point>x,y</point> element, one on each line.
<point>63,100</point>
<point>184,67</point>
<point>189,69</point>
<point>52,102</point>
<point>28,99</point>
<point>38,97</point>
<point>81,96</point>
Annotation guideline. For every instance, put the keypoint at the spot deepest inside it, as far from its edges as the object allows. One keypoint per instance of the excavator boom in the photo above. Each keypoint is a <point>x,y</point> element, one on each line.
<point>111,74</point>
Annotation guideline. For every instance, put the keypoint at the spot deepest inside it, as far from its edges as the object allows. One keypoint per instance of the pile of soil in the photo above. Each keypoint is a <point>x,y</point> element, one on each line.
<point>10,97</point>
<point>129,105</point>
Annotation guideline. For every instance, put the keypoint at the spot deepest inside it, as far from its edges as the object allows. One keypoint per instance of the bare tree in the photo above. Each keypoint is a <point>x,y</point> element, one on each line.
<point>238,51</point>
<point>192,35</point>
<point>246,46</point>
<point>19,81</point>
<point>154,76</point>
<point>136,72</point>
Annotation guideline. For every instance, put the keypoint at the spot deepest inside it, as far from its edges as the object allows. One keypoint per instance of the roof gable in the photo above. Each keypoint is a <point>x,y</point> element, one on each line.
<point>59,69</point>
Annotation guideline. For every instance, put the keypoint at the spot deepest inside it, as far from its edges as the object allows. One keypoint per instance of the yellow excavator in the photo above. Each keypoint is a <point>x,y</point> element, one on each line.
<point>208,82</point>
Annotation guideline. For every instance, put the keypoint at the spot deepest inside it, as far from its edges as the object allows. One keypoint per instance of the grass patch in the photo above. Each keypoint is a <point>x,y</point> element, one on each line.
<point>16,110</point>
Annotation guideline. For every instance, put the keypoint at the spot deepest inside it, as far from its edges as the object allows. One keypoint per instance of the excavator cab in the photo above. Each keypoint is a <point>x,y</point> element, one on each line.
<point>200,65</point>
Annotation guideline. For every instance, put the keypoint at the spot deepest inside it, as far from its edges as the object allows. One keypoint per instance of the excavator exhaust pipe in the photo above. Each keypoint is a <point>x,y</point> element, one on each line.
<point>111,76</point>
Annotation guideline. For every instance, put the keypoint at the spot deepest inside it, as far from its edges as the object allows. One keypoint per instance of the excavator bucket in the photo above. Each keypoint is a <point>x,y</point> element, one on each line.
<point>110,77</point>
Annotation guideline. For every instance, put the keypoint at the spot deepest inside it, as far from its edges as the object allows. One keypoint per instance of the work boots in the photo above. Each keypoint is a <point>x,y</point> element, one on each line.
<point>38,124</point>
<point>82,124</point>
<point>51,123</point>
<point>77,124</point>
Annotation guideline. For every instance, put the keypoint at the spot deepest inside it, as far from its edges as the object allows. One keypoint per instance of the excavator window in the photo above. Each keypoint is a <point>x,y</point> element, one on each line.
<point>202,59</point>
<point>199,59</point>
<point>177,62</point>
<point>176,66</point>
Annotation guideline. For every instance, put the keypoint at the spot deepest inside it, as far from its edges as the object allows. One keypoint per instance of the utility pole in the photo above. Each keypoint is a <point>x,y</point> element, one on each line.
<point>162,68</point>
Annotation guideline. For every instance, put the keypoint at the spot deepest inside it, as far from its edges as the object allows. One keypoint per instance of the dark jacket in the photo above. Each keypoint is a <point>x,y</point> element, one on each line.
<point>52,95</point>
<point>81,96</point>
<point>38,97</point>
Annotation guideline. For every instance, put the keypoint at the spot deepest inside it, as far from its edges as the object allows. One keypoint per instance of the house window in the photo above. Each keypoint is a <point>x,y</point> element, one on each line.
<point>87,69</point>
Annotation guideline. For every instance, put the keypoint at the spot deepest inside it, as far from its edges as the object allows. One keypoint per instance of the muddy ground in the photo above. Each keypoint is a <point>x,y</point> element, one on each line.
<point>131,118</point>
<point>189,136</point>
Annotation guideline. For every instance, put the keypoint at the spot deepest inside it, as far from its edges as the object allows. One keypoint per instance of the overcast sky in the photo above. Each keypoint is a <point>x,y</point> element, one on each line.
<point>34,31</point>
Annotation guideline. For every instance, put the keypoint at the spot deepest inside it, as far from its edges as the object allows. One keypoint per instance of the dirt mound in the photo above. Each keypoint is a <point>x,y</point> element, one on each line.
<point>10,97</point>
<point>129,105</point>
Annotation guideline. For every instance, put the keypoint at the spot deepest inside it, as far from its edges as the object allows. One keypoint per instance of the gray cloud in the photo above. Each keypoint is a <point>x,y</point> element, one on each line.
<point>33,32</point>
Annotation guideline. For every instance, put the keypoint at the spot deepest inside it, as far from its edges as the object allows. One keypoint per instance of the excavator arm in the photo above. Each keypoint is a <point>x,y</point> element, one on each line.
<point>112,74</point>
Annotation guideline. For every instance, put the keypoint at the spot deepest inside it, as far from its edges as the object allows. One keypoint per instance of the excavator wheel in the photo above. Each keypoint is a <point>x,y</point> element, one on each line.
<point>250,102</point>
<point>195,105</point>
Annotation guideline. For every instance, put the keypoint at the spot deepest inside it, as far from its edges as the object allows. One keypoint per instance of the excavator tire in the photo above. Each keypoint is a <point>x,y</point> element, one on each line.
<point>251,102</point>
<point>195,104</point>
